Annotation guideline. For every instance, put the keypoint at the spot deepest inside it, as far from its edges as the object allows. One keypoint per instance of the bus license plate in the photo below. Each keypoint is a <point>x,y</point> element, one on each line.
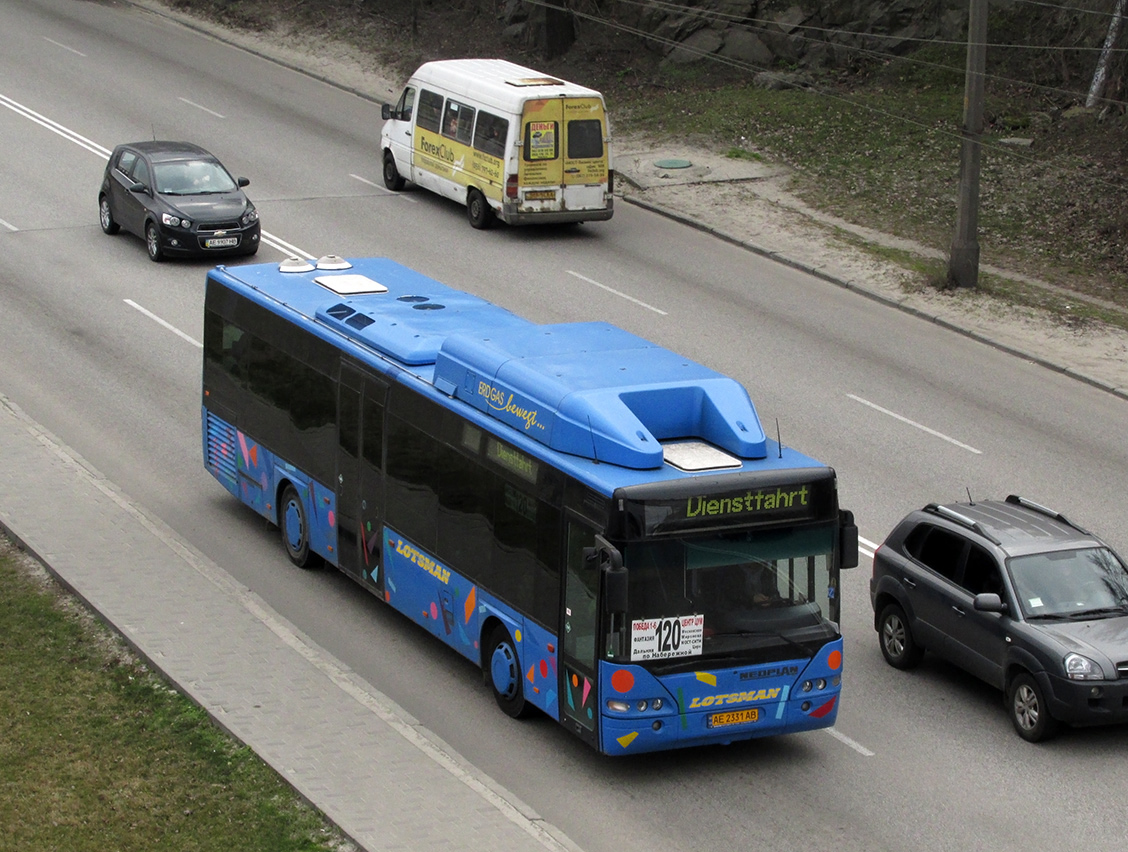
<point>221,242</point>
<point>540,195</point>
<point>736,717</point>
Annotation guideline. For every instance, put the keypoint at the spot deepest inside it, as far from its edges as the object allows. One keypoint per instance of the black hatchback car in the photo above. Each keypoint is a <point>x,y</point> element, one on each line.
<point>1015,594</point>
<point>179,199</point>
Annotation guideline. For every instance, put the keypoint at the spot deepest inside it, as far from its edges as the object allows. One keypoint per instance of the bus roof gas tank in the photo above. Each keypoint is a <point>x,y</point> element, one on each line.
<point>596,391</point>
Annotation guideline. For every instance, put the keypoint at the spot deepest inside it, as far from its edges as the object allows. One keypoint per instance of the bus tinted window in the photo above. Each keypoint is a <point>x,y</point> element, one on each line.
<point>458,122</point>
<point>585,139</point>
<point>490,133</point>
<point>430,110</point>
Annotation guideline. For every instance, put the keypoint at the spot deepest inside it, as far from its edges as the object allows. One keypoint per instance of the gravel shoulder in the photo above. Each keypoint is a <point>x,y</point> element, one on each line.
<point>747,202</point>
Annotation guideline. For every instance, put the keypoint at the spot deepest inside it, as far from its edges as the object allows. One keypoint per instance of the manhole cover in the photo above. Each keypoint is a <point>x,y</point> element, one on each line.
<point>673,164</point>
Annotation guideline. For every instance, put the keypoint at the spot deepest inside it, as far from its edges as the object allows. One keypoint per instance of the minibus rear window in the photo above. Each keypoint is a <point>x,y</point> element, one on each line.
<point>585,139</point>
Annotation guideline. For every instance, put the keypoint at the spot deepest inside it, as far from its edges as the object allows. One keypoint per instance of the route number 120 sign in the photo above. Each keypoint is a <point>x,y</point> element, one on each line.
<point>663,638</point>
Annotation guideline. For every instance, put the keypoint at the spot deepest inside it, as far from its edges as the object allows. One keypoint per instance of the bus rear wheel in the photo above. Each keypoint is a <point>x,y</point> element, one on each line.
<point>504,669</point>
<point>295,530</point>
<point>478,210</point>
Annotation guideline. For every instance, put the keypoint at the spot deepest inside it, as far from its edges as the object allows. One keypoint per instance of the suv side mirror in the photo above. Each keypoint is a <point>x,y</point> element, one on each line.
<point>989,602</point>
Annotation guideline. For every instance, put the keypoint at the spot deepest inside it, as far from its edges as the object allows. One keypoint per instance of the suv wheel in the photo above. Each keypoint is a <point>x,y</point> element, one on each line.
<point>898,646</point>
<point>1029,711</point>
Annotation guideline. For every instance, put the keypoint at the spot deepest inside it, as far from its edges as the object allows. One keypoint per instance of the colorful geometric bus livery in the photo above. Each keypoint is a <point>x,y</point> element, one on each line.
<point>598,523</point>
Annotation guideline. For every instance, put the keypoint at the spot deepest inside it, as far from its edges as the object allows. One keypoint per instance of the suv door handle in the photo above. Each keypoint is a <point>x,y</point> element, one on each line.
<point>958,610</point>
<point>908,582</point>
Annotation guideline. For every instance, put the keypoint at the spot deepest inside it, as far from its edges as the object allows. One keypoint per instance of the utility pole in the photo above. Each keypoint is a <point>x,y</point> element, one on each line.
<point>963,264</point>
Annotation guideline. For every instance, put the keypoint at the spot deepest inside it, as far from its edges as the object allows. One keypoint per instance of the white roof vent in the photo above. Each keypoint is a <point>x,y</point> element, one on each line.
<point>295,264</point>
<point>331,261</point>
<point>697,455</point>
<point>349,285</point>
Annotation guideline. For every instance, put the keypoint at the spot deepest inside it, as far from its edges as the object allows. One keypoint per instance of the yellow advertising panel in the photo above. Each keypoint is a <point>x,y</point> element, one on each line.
<point>453,160</point>
<point>540,163</point>
<point>584,149</point>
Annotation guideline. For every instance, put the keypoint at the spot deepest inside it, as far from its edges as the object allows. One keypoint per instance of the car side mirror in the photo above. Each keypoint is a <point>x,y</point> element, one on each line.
<point>137,186</point>
<point>386,111</point>
<point>243,181</point>
<point>989,602</point>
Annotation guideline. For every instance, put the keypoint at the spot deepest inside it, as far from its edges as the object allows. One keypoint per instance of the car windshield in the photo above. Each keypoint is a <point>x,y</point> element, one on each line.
<point>1086,583</point>
<point>192,177</point>
<point>754,591</point>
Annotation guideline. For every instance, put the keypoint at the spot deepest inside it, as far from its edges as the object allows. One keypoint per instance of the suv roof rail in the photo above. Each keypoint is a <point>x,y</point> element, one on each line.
<point>1015,500</point>
<point>953,515</point>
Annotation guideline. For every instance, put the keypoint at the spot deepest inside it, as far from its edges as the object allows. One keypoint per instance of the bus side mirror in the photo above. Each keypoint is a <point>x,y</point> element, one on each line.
<point>610,564</point>
<point>386,111</point>
<point>847,540</point>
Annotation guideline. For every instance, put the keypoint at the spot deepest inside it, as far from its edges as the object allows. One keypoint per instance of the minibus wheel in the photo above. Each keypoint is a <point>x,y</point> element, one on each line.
<point>478,210</point>
<point>393,180</point>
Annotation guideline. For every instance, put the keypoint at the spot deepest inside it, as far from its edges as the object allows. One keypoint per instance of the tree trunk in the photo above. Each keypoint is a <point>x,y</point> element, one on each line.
<point>1096,88</point>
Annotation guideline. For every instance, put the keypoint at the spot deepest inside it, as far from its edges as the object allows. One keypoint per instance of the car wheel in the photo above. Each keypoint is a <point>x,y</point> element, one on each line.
<point>1029,711</point>
<point>106,216</point>
<point>898,646</point>
<point>505,674</point>
<point>478,210</point>
<point>153,243</point>
<point>295,529</point>
<point>393,180</point>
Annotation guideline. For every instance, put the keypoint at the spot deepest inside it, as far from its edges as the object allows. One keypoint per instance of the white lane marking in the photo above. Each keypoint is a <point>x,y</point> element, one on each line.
<point>856,746</point>
<point>866,546</point>
<point>167,325</point>
<point>53,126</point>
<point>63,46</point>
<point>286,248</point>
<point>8,225</point>
<point>617,293</point>
<point>384,189</point>
<point>920,426</point>
<point>203,108</point>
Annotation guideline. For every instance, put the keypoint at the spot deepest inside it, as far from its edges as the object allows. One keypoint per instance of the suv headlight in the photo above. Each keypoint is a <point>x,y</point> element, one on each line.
<point>250,217</point>
<point>1081,668</point>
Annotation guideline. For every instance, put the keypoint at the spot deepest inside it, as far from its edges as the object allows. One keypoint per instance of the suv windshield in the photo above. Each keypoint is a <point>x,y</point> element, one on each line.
<point>753,589</point>
<point>1087,583</point>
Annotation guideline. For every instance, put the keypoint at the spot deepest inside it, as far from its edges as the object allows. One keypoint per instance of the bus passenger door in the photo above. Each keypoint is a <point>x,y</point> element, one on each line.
<point>579,688</point>
<point>360,477</point>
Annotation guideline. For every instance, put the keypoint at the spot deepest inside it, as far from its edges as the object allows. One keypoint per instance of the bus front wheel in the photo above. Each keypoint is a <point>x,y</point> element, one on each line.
<point>478,210</point>
<point>295,529</point>
<point>393,180</point>
<point>505,674</point>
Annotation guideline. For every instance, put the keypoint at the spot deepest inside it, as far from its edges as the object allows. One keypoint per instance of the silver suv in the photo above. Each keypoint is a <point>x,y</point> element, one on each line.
<point>1015,594</point>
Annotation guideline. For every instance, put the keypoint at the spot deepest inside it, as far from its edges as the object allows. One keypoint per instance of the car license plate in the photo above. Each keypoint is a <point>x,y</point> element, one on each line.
<point>736,717</point>
<point>540,195</point>
<point>221,242</point>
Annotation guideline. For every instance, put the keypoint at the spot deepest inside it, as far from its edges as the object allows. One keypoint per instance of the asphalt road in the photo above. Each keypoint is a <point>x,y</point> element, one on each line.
<point>101,347</point>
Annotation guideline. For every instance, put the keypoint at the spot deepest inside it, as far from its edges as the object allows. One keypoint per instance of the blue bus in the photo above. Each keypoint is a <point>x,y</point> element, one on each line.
<point>597,522</point>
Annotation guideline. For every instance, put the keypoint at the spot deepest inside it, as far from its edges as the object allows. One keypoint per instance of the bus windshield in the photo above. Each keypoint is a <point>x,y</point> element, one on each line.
<point>756,591</point>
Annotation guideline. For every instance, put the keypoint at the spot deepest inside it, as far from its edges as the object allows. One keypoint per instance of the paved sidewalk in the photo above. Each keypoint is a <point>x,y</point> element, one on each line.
<point>387,782</point>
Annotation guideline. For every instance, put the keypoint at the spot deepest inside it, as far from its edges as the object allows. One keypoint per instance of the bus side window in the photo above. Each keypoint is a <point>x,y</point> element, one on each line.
<point>458,122</point>
<point>430,110</point>
<point>490,133</point>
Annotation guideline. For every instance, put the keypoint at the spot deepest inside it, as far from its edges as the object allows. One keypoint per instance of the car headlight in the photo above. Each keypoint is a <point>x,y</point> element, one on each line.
<point>250,217</point>
<point>175,221</point>
<point>1081,668</point>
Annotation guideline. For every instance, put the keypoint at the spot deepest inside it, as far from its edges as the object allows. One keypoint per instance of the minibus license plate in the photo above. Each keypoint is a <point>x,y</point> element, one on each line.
<point>540,195</point>
<point>221,242</point>
<point>736,717</point>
